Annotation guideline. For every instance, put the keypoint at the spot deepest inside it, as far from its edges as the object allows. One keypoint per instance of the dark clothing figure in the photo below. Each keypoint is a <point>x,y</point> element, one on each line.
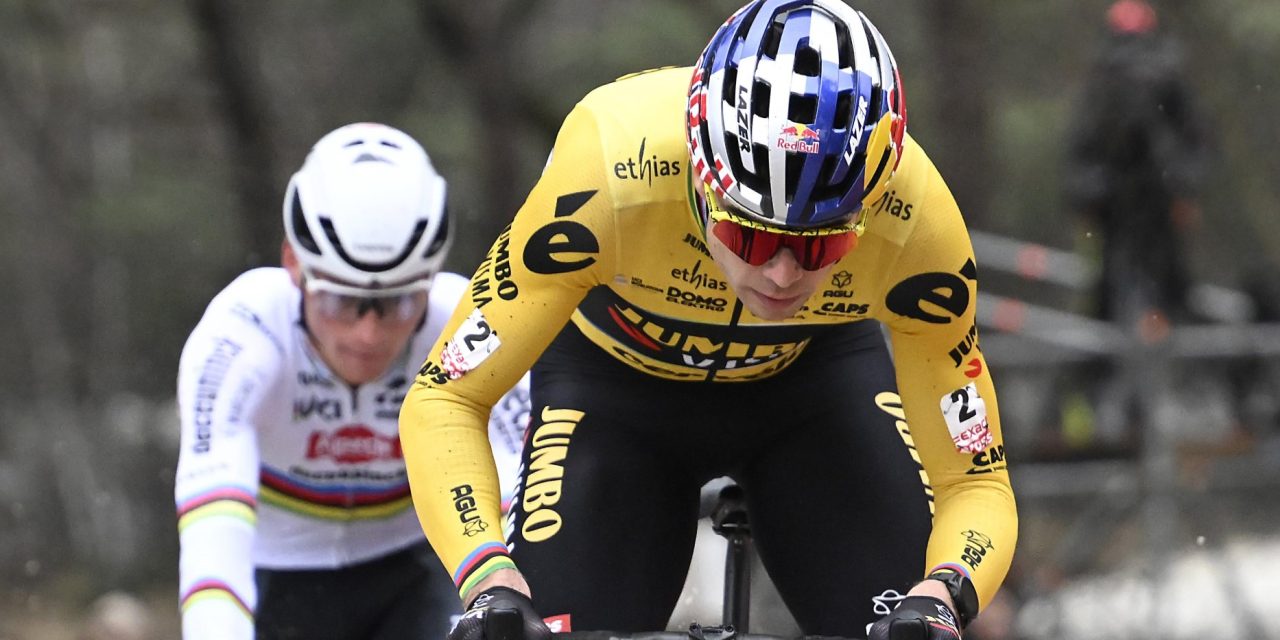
<point>1136,160</point>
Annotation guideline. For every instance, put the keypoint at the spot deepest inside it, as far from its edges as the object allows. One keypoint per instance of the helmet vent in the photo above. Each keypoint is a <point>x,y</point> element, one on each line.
<point>772,39</point>
<point>372,267</point>
<point>844,106</point>
<point>795,162</point>
<point>757,180</point>
<point>369,157</point>
<point>388,143</point>
<point>803,109</point>
<point>760,100</point>
<point>301,231</point>
<point>872,49</point>
<point>844,42</point>
<point>442,235</point>
<point>807,62</point>
<point>823,191</point>
<point>760,156</point>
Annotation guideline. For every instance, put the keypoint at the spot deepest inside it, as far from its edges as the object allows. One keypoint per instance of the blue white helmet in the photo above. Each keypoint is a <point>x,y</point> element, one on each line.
<point>367,209</point>
<point>796,114</point>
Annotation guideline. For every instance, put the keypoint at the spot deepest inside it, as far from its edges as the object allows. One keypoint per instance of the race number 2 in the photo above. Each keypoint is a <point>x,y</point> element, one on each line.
<point>966,416</point>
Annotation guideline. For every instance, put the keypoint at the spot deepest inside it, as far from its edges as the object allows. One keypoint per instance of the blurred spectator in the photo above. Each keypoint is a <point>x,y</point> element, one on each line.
<point>1136,161</point>
<point>118,616</point>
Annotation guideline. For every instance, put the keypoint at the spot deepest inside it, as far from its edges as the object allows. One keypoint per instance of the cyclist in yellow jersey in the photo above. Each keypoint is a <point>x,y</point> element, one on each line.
<point>699,281</point>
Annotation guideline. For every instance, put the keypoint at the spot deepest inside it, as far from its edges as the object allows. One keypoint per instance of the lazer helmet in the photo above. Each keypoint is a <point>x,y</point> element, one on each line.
<point>796,114</point>
<point>367,209</point>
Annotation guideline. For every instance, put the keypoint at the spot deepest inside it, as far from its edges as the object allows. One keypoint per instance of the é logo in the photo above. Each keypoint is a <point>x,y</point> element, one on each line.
<point>562,246</point>
<point>923,295</point>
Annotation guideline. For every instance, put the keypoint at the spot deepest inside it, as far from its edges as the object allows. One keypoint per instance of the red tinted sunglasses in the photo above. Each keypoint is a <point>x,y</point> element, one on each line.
<point>756,246</point>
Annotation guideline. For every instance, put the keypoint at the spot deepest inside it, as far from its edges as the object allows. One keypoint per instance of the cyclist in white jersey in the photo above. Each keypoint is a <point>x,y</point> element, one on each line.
<point>294,514</point>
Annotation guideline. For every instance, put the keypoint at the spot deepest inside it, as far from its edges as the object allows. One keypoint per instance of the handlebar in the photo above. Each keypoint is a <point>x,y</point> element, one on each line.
<point>505,624</point>
<point>695,632</point>
<point>679,635</point>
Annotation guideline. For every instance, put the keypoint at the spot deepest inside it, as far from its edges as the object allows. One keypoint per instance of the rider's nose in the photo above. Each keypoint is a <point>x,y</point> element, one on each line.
<point>783,270</point>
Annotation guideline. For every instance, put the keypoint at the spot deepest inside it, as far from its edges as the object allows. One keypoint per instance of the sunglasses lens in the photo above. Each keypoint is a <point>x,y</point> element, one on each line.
<point>756,247</point>
<point>821,251</point>
<point>347,309</point>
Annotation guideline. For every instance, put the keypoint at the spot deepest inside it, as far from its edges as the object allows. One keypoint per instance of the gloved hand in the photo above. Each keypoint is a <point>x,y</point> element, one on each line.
<point>500,613</point>
<point>917,618</point>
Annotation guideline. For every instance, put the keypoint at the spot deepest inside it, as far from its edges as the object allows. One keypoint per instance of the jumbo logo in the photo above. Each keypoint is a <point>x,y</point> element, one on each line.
<point>933,297</point>
<point>562,246</point>
<point>544,482</point>
<point>696,243</point>
<point>354,444</point>
<point>967,345</point>
<point>694,350</point>
<point>494,274</point>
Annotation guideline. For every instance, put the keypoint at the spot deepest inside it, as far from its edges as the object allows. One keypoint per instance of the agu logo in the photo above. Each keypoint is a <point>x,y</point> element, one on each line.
<point>798,137</point>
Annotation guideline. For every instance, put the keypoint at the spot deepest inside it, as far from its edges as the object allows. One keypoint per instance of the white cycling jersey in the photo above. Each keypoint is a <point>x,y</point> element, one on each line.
<point>285,466</point>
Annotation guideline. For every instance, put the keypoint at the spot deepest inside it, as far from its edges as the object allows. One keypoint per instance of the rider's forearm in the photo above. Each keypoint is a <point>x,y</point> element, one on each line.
<point>454,484</point>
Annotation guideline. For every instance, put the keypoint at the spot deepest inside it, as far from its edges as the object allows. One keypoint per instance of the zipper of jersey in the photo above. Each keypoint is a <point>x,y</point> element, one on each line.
<point>699,216</point>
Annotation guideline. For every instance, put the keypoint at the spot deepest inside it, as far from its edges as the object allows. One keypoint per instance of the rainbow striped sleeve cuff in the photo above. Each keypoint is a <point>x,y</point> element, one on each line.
<point>231,502</point>
<point>951,566</point>
<point>214,591</point>
<point>484,560</point>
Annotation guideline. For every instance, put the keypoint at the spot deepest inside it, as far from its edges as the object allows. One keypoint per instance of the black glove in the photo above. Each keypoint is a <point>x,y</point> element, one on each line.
<point>917,618</point>
<point>500,613</point>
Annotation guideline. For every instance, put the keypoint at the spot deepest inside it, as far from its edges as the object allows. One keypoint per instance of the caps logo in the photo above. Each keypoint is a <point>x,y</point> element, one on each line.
<point>353,444</point>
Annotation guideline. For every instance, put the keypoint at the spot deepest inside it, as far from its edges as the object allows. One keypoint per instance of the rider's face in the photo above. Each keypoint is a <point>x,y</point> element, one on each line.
<point>358,350</point>
<point>358,342</point>
<point>775,290</point>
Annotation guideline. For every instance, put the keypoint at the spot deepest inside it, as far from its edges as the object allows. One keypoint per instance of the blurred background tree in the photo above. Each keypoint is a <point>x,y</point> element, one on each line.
<point>146,147</point>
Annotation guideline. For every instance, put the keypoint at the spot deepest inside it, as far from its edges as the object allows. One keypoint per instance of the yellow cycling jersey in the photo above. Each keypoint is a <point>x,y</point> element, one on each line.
<point>610,240</point>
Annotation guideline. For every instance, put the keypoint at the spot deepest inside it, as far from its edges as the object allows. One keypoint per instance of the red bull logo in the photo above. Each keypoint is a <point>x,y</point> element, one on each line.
<point>798,137</point>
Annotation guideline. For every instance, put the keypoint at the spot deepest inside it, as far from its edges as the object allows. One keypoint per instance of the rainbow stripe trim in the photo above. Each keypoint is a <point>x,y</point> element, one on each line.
<point>951,566</point>
<point>214,590</point>
<point>486,559</point>
<point>230,502</point>
<point>342,503</point>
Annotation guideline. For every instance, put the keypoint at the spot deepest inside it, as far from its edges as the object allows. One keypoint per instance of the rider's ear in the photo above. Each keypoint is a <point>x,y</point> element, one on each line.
<point>289,260</point>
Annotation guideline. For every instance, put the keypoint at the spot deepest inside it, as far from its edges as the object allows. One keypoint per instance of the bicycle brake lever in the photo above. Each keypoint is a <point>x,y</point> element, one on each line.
<point>503,624</point>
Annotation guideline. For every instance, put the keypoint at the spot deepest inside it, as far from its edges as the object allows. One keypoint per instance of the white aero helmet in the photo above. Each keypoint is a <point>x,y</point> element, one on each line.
<point>367,209</point>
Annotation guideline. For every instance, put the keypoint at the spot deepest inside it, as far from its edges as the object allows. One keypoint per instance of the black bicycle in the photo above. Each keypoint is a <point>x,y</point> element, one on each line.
<point>726,506</point>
